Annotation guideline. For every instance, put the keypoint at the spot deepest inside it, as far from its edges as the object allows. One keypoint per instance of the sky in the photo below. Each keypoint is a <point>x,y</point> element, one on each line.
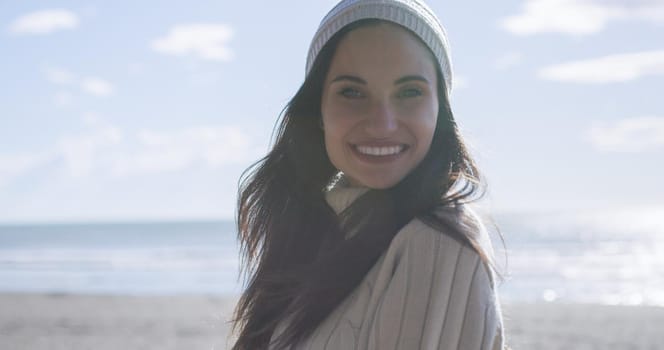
<point>151,110</point>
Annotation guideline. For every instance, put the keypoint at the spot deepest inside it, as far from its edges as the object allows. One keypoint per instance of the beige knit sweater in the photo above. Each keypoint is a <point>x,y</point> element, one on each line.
<point>427,291</point>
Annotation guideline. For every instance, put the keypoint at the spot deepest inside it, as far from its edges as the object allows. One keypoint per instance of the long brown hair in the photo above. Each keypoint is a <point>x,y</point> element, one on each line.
<point>297,264</point>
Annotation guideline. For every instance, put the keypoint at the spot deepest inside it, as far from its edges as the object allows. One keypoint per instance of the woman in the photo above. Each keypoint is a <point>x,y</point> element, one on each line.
<point>353,228</point>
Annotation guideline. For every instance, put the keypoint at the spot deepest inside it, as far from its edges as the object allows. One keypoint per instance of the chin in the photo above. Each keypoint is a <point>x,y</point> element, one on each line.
<point>377,183</point>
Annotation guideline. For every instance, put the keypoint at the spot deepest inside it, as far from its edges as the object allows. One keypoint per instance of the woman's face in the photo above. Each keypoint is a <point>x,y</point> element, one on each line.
<point>379,105</point>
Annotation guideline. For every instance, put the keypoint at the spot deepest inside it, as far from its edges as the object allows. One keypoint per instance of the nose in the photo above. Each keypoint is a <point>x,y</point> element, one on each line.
<point>382,120</point>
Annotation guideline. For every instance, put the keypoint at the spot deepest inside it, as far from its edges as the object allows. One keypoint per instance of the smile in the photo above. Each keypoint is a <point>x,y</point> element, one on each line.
<point>380,151</point>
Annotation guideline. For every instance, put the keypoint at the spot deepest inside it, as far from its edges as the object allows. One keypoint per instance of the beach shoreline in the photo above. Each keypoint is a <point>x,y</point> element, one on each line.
<point>67,321</point>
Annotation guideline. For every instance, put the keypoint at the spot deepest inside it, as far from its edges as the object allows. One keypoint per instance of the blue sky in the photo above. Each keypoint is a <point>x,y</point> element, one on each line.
<point>150,110</point>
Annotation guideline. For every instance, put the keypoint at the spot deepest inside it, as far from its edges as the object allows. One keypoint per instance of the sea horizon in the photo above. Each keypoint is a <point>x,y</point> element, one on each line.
<point>559,258</point>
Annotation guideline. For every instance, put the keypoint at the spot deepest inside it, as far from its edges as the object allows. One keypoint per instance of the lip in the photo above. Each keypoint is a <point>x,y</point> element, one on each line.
<point>367,158</point>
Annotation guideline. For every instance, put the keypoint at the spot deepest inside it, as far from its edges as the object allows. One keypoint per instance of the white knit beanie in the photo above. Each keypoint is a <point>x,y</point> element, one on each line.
<point>412,14</point>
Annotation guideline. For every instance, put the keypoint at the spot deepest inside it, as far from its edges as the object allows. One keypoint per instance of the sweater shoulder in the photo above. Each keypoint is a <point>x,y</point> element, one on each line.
<point>425,241</point>
<point>452,227</point>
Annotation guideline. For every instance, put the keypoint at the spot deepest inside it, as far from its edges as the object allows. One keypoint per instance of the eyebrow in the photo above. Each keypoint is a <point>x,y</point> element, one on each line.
<point>351,78</point>
<point>401,80</point>
<point>411,78</point>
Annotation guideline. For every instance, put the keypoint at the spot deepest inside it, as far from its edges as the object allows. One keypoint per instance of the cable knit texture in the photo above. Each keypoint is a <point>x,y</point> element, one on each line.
<point>427,291</point>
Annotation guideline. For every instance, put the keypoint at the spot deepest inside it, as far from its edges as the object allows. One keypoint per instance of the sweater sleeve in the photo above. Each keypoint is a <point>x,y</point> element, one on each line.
<point>440,296</point>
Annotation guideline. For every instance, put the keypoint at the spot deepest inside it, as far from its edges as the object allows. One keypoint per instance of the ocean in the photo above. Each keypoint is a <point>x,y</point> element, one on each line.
<point>612,258</point>
<point>128,258</point>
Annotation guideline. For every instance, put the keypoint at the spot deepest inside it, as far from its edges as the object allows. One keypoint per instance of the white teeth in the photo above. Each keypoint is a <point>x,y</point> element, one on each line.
<point>380,151</point>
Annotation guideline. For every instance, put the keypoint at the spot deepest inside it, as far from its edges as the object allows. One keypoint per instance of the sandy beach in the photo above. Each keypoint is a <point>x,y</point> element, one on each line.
<point>73,322</point>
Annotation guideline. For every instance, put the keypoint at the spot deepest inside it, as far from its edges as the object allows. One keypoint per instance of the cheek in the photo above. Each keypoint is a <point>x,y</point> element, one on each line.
<point>334,146</point>
<point>425,126</point>
<point>335,132</point>
<point>338,121</point>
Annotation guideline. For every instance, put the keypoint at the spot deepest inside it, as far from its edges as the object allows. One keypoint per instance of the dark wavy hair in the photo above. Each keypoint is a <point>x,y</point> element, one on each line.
<point>297,265</point>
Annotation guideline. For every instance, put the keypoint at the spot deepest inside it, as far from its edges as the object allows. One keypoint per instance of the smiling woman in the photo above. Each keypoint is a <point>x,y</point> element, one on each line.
<point>355,227</point>
<point>379,105</point>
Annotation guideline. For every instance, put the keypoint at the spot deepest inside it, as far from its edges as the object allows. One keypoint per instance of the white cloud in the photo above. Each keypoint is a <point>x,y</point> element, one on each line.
<point>106,150</point>
<point>44,22</point>
<point>205,41</point>
<point>579,17</point>
<point>82,153</point>
<point>613,68</point>
<point>509,60</point>
<point>638,134</point>
<point>178,150</point>
<point>96,86</point>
